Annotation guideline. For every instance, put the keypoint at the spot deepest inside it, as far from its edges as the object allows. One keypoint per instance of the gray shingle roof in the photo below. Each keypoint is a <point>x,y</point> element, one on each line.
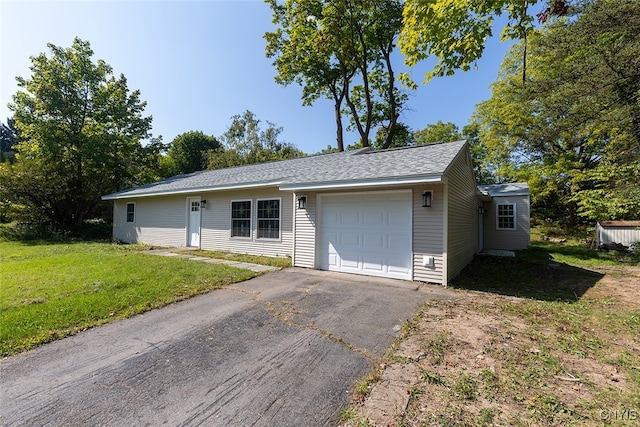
<point>349,166</point>
<point>512,189</point>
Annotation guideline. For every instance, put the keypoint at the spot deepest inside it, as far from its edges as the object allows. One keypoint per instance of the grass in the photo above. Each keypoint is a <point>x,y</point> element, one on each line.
<point>280,262</point>
<point>51,290</point>
<point>564,352</point>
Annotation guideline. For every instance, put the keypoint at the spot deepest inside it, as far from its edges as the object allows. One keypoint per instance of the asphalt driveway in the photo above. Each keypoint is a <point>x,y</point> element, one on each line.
<point>282,349</point>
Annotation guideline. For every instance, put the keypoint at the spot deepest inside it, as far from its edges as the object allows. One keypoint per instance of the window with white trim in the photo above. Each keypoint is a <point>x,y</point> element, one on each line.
<point>506,216</point>
<point>269,219</point>
<point>241,218</point>
<point>131,212</point>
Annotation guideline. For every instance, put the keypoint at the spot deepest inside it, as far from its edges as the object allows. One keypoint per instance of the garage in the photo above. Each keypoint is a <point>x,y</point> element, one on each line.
<point>366,233</point>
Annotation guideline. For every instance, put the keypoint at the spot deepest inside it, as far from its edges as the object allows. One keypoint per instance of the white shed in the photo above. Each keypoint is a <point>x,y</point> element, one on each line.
<point>624,232</point>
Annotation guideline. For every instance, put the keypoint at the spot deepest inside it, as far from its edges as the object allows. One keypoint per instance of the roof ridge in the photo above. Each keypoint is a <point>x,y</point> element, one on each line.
<point>408,147</point>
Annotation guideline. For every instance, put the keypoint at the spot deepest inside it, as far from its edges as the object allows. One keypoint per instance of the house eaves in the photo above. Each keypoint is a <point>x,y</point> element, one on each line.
<point>129,195</point>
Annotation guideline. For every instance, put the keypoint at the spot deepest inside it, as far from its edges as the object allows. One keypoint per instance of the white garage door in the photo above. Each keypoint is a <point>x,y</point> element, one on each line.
<point>366,233</point>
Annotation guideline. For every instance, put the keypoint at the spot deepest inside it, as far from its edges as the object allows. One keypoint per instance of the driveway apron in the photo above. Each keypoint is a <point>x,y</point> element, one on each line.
<point>284,349</point>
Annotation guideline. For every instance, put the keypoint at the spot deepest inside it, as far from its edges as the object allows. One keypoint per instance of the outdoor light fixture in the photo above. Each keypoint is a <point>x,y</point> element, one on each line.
<point>302,202</point>
<point>203,204</point>
<point>427,196</point>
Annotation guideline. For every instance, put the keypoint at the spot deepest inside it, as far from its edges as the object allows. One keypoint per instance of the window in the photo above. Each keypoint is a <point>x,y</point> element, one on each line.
<point>241,218</point>
<point>269,219</point>
<point>506,217</point>
<point>131,212</point>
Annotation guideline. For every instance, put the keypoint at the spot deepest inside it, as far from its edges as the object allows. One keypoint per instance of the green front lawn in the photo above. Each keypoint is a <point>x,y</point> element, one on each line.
<point>51,290</point>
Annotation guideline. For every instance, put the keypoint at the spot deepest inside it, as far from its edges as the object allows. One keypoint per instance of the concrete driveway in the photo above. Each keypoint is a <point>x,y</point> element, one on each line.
<point>282,349</point>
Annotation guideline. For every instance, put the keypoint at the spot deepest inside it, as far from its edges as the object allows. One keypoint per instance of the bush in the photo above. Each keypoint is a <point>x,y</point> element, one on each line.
<point>96,229</point>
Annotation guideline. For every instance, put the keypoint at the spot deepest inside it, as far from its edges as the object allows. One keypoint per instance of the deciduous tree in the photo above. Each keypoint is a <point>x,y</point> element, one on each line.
<point>80,134</point>
<point>572,129</point>
<point>189,151</point>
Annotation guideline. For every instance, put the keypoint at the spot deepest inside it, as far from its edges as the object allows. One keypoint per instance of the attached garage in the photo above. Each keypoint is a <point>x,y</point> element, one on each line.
<point>366,233</point>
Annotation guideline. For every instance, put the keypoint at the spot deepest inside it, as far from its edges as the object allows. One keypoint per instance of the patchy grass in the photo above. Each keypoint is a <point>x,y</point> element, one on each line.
<point>51,290</point>
<point>280,262</point>
<point>551,337</point>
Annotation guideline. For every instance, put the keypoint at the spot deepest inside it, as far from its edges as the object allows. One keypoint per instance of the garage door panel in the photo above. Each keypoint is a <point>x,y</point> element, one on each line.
<point>373,264</point>
<point>366,233</point>
<point>373,241</point>
<point>399,242</point>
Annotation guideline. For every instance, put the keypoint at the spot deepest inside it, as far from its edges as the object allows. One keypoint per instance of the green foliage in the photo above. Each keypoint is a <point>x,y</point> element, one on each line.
<point>341,50</point>
<point>572,129</point>
<point>188,151</point>
<point>455,31</point>
<point>79,136</point>
<point>438,132</point>
<point>245,142</point>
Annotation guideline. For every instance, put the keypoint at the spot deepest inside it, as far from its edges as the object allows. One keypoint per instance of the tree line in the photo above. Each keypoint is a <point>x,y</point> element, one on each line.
<point>564,114</point>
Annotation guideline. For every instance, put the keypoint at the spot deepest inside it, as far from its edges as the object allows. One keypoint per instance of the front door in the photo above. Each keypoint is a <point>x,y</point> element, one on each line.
<point>193,228</point>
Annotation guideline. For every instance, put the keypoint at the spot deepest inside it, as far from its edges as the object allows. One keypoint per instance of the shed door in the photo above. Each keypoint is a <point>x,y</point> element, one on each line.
<point>193,230</point>
<point>366,233</point>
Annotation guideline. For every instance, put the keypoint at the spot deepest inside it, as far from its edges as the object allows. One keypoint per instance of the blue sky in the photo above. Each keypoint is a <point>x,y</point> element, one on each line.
<point>197,63</point>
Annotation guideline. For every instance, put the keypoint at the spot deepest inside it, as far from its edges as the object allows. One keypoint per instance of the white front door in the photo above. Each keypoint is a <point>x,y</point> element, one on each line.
<point>367,233</point>
<point>193,228</point>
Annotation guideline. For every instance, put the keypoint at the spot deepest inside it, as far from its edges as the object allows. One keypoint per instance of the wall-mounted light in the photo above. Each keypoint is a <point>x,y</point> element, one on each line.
<point>427,197</point>
<point>480,210</point>
<point>302,202</point>
<point>203,204</point>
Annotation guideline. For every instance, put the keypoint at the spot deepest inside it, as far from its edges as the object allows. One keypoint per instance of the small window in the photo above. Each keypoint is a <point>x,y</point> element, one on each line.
<point>241,218</point>
<point>269,219</point>
<point>195,206</point>
<point>131,212</point>
<point>506,217</point>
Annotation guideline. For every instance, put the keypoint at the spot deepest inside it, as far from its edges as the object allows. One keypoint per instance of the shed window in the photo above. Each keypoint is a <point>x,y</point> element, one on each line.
<point>241,218</point>
<point>506,219</point>
<point>269,219</point>
<point>131,212</point>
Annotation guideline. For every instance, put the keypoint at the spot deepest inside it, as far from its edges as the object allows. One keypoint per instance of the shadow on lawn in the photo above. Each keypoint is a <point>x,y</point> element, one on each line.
<point>533,277</point>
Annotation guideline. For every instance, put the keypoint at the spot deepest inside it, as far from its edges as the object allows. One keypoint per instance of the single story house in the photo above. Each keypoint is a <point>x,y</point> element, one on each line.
<point>412,213</point>
<point>623,232</point>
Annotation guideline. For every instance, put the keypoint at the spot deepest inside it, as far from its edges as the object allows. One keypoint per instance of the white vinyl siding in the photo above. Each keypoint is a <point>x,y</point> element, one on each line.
<point>428,234</point>
<point>305,221</point>
<point>507,239</point>
<point>462,212</point>
<point>158,221</point>
<point>216,223</point>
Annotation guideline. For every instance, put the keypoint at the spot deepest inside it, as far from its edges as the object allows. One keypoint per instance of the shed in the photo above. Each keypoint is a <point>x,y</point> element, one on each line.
<point>623,232</point>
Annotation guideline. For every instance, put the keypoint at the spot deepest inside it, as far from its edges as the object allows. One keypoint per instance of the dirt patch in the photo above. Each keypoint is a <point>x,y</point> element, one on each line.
<point>490,359</point>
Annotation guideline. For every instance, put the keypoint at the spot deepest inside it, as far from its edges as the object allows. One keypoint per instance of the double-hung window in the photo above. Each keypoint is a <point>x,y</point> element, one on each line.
<point>241,218</point>
<point>506,217</point>
<point>131,212</point>
<point>269,219</point>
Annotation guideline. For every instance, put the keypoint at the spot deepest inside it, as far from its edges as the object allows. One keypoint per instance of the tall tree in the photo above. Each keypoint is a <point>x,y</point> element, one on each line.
<point>80,131</point>
<point>437,132</point>
<point>341,49</point>
<point>455,31</point>
<point>572,129</point>
<point>189,151</point>
<point>245,142</point>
